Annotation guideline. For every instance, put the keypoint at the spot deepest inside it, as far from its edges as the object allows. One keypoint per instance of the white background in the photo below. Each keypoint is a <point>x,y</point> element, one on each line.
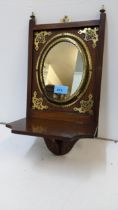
<point>14,17</point>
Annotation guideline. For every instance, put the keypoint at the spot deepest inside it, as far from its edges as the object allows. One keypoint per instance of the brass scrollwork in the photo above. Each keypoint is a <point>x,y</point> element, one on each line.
<point>90,34</point>
<point>86,106</point>
<point>38,102</point>
<point>40,37</point>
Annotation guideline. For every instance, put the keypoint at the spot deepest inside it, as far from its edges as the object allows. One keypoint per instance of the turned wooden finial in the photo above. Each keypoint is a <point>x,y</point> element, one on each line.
<point>32,15</point>
<point>102,9</point>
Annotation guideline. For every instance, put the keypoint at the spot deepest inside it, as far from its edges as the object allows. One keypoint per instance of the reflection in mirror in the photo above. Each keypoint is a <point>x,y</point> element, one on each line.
<point>63,71</point>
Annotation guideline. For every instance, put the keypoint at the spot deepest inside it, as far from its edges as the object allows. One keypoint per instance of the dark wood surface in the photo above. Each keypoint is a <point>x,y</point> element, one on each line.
<point>30,64</point>
<point>52,129</point>
<point>99,63</point>
<point>88,23</point>
<point>59,136</point>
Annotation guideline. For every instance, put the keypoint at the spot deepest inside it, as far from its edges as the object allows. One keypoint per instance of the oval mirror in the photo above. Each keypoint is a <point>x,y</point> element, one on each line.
<point>63,71</point>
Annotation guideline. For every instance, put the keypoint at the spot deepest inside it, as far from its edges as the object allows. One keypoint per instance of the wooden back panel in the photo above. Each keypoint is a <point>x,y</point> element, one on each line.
<point>91,96</point>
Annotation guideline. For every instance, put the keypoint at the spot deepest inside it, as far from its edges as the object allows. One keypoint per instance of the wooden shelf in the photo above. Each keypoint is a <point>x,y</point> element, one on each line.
<point>51,129</point>
<point>58,135</point>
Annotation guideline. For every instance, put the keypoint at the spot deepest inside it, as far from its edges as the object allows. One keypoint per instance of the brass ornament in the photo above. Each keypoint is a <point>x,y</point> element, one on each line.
<point>86,106</point>
<point>90,35</point>
<point>40,37</point>
<point>38,102</point>
<point>65,19</point>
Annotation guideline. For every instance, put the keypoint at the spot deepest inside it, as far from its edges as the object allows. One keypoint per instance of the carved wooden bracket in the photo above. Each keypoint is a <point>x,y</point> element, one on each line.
<point>59,147</point>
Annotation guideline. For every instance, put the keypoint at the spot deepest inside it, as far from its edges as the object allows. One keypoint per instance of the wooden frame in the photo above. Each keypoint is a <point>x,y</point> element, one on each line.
<point>62,127</point>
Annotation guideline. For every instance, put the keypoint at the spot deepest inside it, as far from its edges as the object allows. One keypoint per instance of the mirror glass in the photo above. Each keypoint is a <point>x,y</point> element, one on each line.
<point>63,71</point>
